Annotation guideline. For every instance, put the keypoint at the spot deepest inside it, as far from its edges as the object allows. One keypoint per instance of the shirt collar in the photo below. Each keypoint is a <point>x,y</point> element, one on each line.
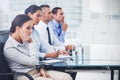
<point>56,23</point>
<point>14,42</point>
<point>43,24</point>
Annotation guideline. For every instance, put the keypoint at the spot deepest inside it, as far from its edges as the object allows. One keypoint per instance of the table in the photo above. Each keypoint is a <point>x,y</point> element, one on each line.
<point>74,65</point>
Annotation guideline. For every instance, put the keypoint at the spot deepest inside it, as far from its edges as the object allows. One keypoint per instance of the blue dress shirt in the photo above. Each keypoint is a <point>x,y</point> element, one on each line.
<point>57,29</point>
<point>36,40</point>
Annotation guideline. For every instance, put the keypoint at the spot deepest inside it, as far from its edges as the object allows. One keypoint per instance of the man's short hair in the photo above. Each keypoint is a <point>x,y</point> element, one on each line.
<point>54,10</point>
<point>44,6</point>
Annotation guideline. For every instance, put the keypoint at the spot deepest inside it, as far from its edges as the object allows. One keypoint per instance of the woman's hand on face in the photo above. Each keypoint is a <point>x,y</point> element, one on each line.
<point>25,37</point>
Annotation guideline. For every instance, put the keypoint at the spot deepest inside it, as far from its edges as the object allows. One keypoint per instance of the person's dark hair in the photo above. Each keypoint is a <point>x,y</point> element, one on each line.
<point>32,9</point>
<point>19,20</point>
<point>54,10</point>
<point>44,6</point>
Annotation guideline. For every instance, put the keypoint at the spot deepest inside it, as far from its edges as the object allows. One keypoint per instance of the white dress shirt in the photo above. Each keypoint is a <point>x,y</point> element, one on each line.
<point>45,46</point>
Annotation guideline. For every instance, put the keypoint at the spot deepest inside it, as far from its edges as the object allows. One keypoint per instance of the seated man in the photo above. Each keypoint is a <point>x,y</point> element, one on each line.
<point>49,41</point>
<point>58,25</point>
<point>22,56</point>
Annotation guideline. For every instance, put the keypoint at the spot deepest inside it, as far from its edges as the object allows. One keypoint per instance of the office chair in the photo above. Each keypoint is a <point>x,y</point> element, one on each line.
<point>5,72</point>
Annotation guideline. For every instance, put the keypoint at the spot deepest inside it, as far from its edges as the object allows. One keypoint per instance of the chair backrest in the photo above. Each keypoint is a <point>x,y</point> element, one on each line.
<point>4,68</point>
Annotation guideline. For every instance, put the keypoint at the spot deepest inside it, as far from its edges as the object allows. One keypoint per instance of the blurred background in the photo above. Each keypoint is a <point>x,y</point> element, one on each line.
<point>94,24</point>
<point>90,21</point>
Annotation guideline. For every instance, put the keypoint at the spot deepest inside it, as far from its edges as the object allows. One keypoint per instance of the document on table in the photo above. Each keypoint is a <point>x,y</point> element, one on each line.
<point>64,57</point>
<point>50,61</point>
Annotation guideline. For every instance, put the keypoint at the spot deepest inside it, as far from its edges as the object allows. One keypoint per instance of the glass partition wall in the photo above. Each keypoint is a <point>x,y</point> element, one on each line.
<point>93,24</point>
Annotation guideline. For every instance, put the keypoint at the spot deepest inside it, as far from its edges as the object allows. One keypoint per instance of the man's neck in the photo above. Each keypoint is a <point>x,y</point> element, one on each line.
<point>57,21</point>
<point>46,22</point>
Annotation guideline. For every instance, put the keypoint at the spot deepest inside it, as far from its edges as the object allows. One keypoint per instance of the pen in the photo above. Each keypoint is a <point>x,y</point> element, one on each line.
<point>54,49</point>
<point>71,59</point>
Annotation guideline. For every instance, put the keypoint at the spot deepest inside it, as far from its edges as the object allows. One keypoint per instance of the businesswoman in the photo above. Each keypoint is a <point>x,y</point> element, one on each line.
<point>35,13</point>
<point>19,49</point>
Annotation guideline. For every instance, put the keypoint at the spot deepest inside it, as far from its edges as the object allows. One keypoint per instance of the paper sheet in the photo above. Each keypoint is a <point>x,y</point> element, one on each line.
<point>64,57</point>
<point>52,61</point>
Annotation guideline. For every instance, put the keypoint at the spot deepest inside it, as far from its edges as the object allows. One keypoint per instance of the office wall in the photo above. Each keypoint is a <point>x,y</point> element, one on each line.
<point>14,7</point>
<point>90,21</point>
<point>100,22</point>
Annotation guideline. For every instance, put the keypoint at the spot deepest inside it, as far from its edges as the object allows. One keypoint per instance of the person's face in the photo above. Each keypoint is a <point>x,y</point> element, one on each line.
<point>26,27</point>
<point>36,17</point>
<point>59,16</point>
<point>47,14</point>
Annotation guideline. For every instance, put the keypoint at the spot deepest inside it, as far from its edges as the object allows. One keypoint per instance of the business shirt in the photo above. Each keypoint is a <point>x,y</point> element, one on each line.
<point>36,41</point>
<point>57,29</point>
<point>23,58</point>
<point>45,46</point>
<point>20,57</point>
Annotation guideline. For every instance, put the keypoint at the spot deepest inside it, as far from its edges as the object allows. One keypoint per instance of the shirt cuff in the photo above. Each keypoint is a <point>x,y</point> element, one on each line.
<point>42,55</point>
